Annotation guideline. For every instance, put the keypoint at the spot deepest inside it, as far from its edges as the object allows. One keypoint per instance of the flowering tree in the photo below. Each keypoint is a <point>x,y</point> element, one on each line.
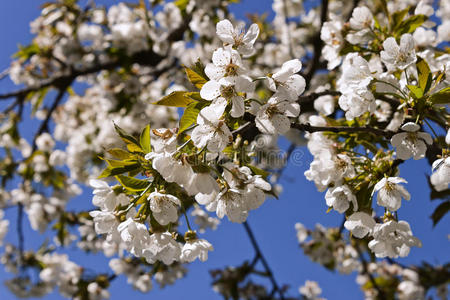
<point>177,123</point>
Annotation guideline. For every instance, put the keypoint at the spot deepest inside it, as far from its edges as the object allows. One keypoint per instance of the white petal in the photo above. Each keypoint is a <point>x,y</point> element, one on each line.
<point>210,90</point>
<point>237,109</point>
<point>410,127</point>
<point>225,31</point>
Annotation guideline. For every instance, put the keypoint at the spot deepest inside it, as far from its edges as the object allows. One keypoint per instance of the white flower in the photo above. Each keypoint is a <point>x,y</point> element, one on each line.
<point>356,104</point>
<point>393,239</point>
<point>331,35</point>
<point>4,225</point>
<point>201,183</point>
<point>204,220</point>
<point>237,37</point>
<point>163,247</point>
<point>340,197</point>
<point>362,18</point>
<point>226,62</point>
<point>311,290</point>
<point>104,196</point>
<point>443,31</point>
<point>251,186</point>
<point>244,192</point>
<point>171,169</point>
<point>163,140</point>
<point>411,143</point>
<point>440,179</point>
<point>143,283</point>
<point>135,235</point>
<point>96,292</point>
<point>302,232</point>
<point>195,248</point>
<point>212,130</point>
<point>410,290</point>
<point>104,221</point>
<point>170,17</point>
<point>273,117</point>
<point>286,82</point>
<point>390,192</point>
<point>396,56</point>
<point>164,207</point>
<point>45,142</point>
<point>360,224</point>
<point>325,105</point>
<point>57,158</point>
<point>328,168</point>
<point>229,88</point>
<point>356,74</point>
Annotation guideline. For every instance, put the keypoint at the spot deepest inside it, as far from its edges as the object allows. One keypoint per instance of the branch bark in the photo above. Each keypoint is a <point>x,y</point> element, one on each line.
<point>337,129</point>
<point>276,288</point>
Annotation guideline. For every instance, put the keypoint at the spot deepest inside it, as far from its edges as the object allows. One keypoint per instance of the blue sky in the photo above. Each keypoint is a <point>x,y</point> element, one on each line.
<point>273,223</point>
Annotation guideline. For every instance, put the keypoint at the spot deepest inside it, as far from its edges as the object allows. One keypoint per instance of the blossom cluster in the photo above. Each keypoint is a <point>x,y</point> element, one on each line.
<point>363,89</point>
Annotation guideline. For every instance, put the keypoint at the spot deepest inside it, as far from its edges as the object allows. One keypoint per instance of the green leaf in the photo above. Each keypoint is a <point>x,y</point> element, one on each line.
<point>37,104</point>
<point>189,116</point>
<point>258,171</point>
<point>127,138</point>
<point>177,99</point>
<point>195,78</point>
<point>181,4</point>
<point>116,167</point>
<point>398,17</point>
<point>144,139</point>
<point>120,153</point>
<point>411,24</point>
<point>25,52</point>
<point>348,48</point>
<point>384,7</point>
<point>416,91</point>
<point>440,212</point>
<point>424,74</point>
<point>369,146</point>
<point>132,184</point>
<point>194,95</point>
<point>441,97</point>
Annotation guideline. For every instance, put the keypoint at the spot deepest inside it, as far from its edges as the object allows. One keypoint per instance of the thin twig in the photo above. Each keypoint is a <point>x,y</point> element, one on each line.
<point>44,125</point>
<point>337,129</point>
<point>381,294</point>
<point>317,45</point>
<point>19,226</point>
<point>313,96</point>
<point>257,249</point>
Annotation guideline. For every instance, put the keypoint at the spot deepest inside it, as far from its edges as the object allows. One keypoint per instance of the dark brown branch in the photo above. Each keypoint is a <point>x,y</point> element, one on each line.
<point>317,45</point>
<point>19,227</point>
<point>146,58</point>
<point>381,295</point>
<point>337,129</point>
<point>44,125</point>
<point>276,288</point>
<point>305,99</point>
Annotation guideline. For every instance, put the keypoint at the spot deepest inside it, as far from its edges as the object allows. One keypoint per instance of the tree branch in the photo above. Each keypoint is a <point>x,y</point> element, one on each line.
<point>19,227</point>
<point>276,288</point>
<point>381,294</point>
<point>317,45</point>
<point>44,125</point>
<point>306,99</point>
<point>146,58</point>
<point>337,129</point>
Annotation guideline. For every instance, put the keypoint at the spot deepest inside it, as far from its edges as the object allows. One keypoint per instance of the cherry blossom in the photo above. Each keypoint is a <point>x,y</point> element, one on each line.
<point>411,143</point>
<point>390,192</point>
<point>240,40</point>
<point>399,56</point>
